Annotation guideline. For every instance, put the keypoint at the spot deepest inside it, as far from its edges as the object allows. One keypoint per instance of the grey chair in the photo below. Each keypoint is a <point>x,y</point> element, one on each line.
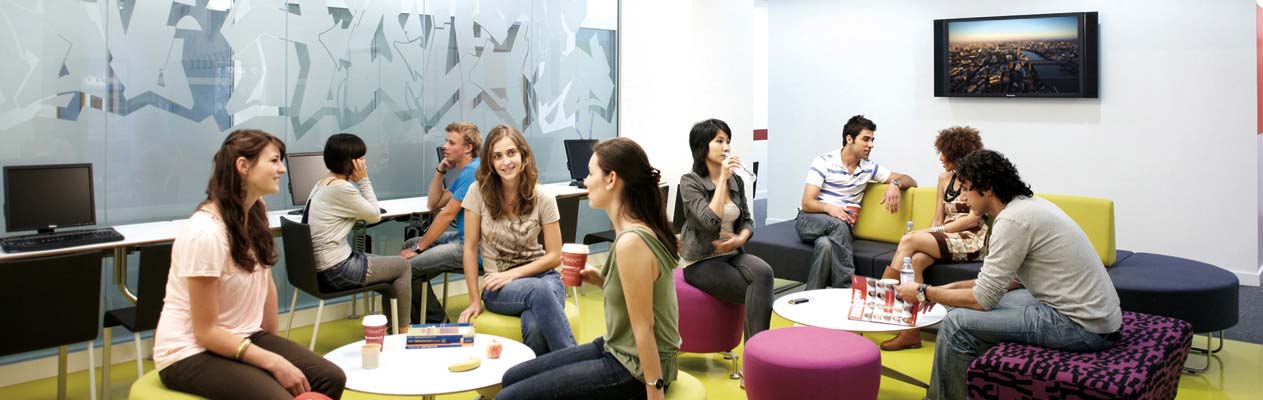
<point>52,302</point>
<point>300,268</point>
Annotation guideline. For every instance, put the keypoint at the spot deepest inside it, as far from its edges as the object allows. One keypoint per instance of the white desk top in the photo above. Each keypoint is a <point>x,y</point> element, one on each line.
<point>423,372</point>
<point>827,308</point>
<point>164,231</point>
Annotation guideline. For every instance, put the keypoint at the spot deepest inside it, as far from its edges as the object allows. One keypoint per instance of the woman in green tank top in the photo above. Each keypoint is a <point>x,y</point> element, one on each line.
<point>636,357</point>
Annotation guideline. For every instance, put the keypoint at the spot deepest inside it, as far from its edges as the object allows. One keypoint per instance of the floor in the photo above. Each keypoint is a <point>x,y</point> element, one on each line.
<point>1235,374</point>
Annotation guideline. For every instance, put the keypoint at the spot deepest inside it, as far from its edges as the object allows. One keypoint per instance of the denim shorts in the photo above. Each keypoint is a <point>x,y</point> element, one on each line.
<point>348,274</point>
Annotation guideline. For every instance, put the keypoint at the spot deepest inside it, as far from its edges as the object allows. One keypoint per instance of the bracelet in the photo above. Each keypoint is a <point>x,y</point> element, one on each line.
<point>241,348</point>
<point>939,228</point>
<point>436,169</point>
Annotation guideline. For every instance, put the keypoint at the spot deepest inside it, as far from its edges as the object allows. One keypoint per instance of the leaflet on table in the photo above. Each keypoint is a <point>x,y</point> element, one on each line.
<point>877,300</point>
<point>426,336</point>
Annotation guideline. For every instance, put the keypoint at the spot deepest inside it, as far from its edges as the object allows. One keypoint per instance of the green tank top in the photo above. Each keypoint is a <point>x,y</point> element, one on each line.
<point>619,340</point>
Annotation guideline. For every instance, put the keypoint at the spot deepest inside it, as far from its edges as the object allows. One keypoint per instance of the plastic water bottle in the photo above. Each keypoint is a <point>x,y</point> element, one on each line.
<point>909,229</point>
<point>907,274</point>
<point>745,173</point>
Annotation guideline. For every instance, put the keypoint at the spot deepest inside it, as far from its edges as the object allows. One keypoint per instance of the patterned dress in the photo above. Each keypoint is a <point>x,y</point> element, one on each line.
<point>963,246</point>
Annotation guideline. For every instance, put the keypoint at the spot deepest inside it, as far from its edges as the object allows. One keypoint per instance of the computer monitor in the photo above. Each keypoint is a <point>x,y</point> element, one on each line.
<point>578,152</point>
<point>304,169</point>
<point>44,197</point>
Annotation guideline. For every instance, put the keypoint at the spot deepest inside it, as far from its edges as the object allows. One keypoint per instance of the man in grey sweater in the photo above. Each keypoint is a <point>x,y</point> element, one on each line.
<point>1041,282</point>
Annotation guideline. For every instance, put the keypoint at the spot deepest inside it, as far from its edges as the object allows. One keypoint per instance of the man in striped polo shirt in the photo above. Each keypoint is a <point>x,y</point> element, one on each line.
<point>831,200</point>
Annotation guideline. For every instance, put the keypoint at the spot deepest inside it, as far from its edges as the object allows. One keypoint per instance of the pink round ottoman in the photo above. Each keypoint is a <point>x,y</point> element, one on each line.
<point>805,362</point>
<point>708,324</point>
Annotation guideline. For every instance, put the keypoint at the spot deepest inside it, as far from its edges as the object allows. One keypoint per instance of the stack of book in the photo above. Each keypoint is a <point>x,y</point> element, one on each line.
<point>429,336</point>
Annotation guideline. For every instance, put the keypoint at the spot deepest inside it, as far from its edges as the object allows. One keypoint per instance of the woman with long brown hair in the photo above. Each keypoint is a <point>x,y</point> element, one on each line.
<point>505,212</point>
<point>217,334</point>
<point>637,356</point>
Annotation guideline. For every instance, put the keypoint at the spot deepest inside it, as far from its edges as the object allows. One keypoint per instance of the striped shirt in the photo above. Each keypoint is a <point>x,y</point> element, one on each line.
<point>839,187</point>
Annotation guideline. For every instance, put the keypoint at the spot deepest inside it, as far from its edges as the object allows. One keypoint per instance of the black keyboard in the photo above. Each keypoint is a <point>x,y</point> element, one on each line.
<point>59,240</point>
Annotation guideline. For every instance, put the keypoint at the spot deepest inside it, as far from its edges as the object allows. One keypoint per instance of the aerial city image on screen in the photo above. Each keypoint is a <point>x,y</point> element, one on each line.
<point>1014,56</point>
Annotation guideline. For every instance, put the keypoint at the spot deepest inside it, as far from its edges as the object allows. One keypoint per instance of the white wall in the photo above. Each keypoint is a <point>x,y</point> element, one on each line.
<point>1170,139</point>
<point>682,62</point>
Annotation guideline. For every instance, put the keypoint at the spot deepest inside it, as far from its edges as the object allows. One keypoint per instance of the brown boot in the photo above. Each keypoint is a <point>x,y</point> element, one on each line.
<point>909,339</point>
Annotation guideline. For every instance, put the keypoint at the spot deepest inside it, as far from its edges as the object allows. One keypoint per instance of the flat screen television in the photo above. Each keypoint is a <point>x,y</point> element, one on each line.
<point>1040,55</point>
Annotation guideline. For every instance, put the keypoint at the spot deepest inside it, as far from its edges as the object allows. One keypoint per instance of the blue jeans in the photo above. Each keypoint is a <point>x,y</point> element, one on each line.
<point>581,372</point>
<point>540,301</point>
<point>967,333</point>
<point>444,255</point>
<point>831,261</point>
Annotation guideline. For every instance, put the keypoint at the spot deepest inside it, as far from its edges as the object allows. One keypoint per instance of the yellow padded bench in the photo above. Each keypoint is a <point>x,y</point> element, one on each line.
<point>509,326</point>
<point>149,387</point>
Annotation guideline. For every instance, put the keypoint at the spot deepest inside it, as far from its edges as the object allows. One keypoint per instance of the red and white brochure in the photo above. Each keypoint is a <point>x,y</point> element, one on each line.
<point>877,300</point>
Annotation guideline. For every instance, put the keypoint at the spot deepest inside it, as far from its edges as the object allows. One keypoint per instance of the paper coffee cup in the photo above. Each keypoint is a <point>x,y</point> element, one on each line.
<point>374,329</point>
<point>369,354</point>
<point>574,257</point>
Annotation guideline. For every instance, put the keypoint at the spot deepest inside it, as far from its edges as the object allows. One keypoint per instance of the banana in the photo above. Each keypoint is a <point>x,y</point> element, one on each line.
<point>465,365</point>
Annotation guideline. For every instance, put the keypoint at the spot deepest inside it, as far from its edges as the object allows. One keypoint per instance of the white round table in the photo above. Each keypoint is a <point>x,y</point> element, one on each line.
<point>828,308</point>
<point>423,372</point>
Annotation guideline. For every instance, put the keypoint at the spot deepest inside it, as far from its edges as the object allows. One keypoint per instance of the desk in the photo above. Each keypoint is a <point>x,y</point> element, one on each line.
<point>568,207</point>
<point>423,372</point>
<point>828,308</point>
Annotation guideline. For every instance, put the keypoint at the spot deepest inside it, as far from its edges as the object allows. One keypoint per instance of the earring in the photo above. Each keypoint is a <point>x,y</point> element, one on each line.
<point>609,187</point>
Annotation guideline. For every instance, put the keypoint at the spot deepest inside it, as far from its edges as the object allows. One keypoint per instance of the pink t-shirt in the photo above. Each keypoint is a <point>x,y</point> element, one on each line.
<point>201,250</point>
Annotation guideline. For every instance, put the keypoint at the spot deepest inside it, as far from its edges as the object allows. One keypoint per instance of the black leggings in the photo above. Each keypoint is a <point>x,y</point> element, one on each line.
<point>213,376</point>
<point>741,279</point>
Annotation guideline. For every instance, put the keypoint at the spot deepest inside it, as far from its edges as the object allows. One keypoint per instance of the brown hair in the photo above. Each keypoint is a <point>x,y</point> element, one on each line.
<point>641,198</point>
<point>471,134</point>
<point>489,184</point>
<point>957,142</point>
<point>249,238</point>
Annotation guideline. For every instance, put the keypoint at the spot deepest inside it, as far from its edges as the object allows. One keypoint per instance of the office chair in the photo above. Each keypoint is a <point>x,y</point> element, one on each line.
<point>300,268</point>
<point>155,264</point>
<point>53,301</point>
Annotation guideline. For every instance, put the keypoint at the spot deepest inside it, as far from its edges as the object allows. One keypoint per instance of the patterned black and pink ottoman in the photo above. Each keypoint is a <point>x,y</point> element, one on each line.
<point>1144,364</point>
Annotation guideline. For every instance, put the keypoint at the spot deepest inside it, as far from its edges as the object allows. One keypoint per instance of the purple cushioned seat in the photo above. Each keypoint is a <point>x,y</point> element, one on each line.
<point>707,324</point>
<point>804,362</point>
<point>1144,364</point>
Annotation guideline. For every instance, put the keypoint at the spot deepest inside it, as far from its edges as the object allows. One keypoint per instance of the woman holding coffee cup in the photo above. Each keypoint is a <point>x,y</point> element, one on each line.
<point>717,224</point>
<point>505,212</point>
<point>335,204</point>
<point>637,356</point>
<point>217,334</point>
<point>956,233</point>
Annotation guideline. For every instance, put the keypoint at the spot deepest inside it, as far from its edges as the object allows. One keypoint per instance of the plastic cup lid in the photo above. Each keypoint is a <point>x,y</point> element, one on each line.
<point>574,248</point>
<point>374,320</point>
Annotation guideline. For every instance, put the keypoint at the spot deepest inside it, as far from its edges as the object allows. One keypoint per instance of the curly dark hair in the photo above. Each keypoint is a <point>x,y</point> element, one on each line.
<point>957,142</point>
<point>989,170</point>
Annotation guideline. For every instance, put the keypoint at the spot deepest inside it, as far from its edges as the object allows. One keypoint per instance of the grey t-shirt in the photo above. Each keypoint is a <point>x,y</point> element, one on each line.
<point>1035,242</point>
<point>333,211</point>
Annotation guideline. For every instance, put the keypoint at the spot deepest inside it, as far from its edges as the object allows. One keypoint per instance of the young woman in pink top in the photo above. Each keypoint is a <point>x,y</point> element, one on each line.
<point>217,334</point>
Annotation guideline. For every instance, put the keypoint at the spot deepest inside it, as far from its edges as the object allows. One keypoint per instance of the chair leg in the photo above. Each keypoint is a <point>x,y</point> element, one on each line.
<point>61,372</point>
<point>425,300</point>
<point>91,370</point>
<point>320,307</point>
<point>445,274</point>
<point>736,370</point>
<point>140,355</point>
<point>106,354</point>
<point>354,308</point>
<point>293,303</point>
<point>394,315</point>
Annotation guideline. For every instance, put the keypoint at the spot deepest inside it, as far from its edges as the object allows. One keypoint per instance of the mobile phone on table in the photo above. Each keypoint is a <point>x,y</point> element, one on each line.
<point>798,300</point>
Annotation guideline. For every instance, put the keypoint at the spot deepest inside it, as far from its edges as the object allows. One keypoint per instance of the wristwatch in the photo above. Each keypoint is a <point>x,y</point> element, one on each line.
<point>657,383</point>
<point>921,291</point>
<point>416,249</point>
<point>896,183</point>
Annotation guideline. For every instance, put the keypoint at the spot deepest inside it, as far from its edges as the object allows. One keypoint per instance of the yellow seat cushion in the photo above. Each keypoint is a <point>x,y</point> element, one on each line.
<point>509,326</point>
<point>149,387</point>
<point>686,387</point>
<point>1095,216</point>
<point>878,224</point>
